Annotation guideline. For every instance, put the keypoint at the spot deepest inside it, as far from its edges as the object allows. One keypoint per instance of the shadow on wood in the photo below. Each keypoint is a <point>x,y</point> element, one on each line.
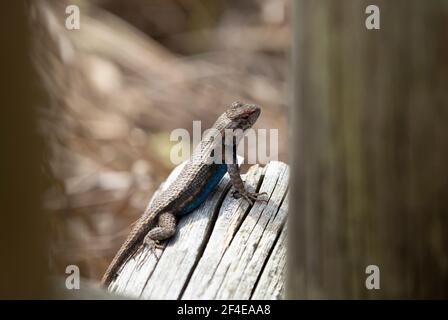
<point>226,249</point>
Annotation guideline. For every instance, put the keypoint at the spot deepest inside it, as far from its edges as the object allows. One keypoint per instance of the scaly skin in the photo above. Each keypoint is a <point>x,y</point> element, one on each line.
<point>196,180</point>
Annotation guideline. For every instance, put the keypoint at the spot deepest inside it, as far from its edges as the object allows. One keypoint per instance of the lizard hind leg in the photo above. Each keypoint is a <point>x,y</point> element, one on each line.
<point>165,229</point>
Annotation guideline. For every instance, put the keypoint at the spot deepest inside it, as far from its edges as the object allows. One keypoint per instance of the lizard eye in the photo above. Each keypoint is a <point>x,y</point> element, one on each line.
<point>236,105</point>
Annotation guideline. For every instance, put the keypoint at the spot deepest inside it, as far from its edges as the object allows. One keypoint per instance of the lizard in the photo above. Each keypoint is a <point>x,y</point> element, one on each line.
<point>195,182</point>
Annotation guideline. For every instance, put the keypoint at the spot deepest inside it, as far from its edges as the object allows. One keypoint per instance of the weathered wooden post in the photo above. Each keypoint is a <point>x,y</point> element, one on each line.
<point>226,249</point>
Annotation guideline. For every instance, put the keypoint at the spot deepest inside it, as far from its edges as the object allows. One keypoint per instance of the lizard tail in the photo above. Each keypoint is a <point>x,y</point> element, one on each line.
<point>126,250</point>
<point>115,265</point>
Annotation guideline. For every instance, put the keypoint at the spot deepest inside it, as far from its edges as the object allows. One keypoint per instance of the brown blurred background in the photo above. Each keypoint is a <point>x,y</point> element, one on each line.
<point>117,87</point>
<point>369,140</point>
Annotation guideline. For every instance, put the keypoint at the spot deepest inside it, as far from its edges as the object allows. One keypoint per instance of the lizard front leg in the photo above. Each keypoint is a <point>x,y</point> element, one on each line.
<point>235,177</point>
<point>234,172</point>
<point>165,229</point>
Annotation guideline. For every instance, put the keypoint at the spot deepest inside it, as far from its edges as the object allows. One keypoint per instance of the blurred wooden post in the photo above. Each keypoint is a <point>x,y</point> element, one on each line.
<point>23,251</point>
<point>370,152</point>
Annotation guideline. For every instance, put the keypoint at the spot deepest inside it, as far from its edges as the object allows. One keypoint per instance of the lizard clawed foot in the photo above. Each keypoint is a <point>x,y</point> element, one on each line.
<point>152,245</point>
<point>251,197</point>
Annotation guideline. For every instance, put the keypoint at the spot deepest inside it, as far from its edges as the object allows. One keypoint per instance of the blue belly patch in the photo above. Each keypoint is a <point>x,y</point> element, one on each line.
<point>206,189</point>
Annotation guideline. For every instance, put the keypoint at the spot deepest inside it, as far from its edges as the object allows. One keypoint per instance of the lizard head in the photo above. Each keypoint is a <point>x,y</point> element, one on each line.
<point>241,115</point>
<point>230,128</point>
